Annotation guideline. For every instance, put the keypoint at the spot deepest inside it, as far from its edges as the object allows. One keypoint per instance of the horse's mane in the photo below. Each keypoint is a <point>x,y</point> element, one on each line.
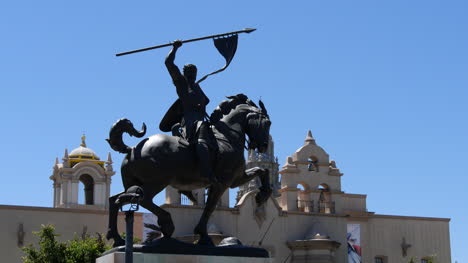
<point>226,106</point>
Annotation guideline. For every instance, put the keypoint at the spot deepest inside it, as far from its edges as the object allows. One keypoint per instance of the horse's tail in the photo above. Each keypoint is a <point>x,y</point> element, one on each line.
<point>115,135</point>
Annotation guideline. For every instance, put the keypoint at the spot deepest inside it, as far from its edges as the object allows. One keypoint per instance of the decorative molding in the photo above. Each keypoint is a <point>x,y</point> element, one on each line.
<point>197,207</point>
<point>61,210</point>
<point>318,244</point>
<point>301,162</point>
<point>354,195</point>
<point>288,189</point>
<point>20,235</point>
<point>412,218</point>
<point>404,247</point>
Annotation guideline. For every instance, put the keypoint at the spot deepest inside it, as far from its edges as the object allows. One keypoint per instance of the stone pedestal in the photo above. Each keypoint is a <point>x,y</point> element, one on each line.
<point>138,257</point>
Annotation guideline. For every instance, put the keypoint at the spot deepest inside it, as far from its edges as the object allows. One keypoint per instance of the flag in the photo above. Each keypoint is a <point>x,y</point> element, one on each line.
<point>227,46</point>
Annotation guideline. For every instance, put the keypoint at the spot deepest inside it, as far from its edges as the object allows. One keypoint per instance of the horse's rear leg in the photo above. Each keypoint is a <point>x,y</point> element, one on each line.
<point>164,218</point>
<point>214,194</point>
<point>112,232</point>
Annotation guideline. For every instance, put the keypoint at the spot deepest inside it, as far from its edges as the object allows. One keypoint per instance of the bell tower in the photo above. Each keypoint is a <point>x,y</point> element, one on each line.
<point>82,180</point>
<point>310,181</point>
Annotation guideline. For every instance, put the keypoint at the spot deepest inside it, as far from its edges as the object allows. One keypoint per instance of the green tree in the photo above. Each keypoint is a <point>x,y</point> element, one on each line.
<point>430,259</point>
<point>50,250</point>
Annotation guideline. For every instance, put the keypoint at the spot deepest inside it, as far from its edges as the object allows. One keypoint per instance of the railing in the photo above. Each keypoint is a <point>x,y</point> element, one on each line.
<point>326,207</point>
<point>305,206</point>
<point>184,200</point>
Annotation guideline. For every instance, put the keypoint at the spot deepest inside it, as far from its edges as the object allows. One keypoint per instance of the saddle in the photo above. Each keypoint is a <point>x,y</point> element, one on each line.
<point>210,140</point>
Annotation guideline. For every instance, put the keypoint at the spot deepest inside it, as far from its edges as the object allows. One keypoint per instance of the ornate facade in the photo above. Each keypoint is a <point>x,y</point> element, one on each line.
<point>312,219</point>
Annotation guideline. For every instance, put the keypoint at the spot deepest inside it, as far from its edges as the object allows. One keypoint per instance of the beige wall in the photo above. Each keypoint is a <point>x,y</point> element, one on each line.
<point>240,222</point>
<point>380,235</point>
<point>67,222</point>
<point>354,202</point>
<point>383,235</point>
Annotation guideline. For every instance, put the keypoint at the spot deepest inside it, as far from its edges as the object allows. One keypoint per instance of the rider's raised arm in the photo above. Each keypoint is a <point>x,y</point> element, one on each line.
<point>171,67</point>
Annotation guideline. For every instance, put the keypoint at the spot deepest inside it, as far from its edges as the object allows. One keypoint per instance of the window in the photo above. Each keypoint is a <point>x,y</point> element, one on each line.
<point>312,164</point>
<point>380,259</point>
<point>303,202</point>
<point>325,204</point>
<point>424,261</point>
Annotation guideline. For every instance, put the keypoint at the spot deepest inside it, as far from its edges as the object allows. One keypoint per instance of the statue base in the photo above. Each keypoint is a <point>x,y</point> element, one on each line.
<point>138,257</point>
<point>173,250</point>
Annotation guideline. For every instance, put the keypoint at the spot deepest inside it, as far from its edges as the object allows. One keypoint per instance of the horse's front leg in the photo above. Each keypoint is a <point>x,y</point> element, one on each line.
<point>214,194</point>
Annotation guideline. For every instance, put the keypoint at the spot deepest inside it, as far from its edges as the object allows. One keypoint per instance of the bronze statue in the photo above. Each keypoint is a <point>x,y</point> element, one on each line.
<point>189,111</point>
<point>199,154</point>
<point>162,160</point>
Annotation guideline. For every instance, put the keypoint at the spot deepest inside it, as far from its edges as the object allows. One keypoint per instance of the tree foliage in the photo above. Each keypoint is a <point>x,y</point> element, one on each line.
<point>430,259</point>
<point>84,250</point>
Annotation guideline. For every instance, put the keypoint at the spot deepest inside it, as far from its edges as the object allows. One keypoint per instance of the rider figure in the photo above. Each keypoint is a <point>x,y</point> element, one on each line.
<point>193,103</point>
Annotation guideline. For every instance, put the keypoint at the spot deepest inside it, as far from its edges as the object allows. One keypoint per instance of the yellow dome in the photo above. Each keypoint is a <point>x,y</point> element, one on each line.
<point>83,152</point>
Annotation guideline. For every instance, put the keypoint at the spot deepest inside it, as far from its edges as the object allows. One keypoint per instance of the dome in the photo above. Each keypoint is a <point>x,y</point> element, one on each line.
<point>83,151</point>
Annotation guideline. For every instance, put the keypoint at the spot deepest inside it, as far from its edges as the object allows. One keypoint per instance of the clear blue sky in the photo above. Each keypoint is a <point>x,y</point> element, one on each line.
<point>381,84</point>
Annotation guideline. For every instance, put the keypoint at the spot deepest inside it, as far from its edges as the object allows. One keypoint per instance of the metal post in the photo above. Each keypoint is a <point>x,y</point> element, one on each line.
<point>129,237</point>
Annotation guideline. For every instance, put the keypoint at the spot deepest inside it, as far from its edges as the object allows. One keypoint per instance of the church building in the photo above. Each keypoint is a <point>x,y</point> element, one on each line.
<point>308,218</point>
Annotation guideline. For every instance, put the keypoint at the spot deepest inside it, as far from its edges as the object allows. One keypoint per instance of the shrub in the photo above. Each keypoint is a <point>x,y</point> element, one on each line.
<point>84,250</point>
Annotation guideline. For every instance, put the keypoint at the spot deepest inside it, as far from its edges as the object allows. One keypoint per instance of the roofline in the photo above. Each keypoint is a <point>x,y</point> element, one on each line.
<point>57,209</point>
<point>411,217</point>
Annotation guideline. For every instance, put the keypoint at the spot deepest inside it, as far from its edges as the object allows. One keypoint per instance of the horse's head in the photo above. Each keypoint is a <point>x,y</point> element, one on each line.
<point>258,128</point>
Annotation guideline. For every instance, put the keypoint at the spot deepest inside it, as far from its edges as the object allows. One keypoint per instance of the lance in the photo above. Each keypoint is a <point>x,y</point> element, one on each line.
<point>247,30</point>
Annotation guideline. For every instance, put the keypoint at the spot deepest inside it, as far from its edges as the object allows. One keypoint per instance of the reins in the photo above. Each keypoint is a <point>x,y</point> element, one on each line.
<point>208,119</point>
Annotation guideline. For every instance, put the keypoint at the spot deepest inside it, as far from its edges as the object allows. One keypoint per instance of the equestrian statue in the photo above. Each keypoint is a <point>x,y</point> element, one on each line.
<point>202,152</point>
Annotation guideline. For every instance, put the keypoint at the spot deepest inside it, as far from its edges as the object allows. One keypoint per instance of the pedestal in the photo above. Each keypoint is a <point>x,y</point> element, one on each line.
<point>138,257</point>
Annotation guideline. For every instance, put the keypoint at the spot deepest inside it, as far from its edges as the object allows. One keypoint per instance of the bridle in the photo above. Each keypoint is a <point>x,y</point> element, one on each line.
<point>247,141</point>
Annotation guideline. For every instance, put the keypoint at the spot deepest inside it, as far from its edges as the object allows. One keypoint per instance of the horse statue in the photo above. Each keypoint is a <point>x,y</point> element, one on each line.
<point>162,160</point>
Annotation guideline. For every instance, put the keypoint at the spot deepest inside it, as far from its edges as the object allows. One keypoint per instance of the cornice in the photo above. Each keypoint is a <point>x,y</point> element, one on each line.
<point>314,244</point>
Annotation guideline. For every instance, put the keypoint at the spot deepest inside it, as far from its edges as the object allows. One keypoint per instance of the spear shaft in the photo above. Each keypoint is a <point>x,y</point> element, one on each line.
<point>247,30</point>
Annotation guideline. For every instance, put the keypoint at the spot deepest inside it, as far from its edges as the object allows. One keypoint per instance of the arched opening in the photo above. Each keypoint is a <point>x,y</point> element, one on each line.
<point>312,164</point>
<point>325,204</point>
<point>86,187</point>
<point>323,187</point>
<point>303,200</point>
